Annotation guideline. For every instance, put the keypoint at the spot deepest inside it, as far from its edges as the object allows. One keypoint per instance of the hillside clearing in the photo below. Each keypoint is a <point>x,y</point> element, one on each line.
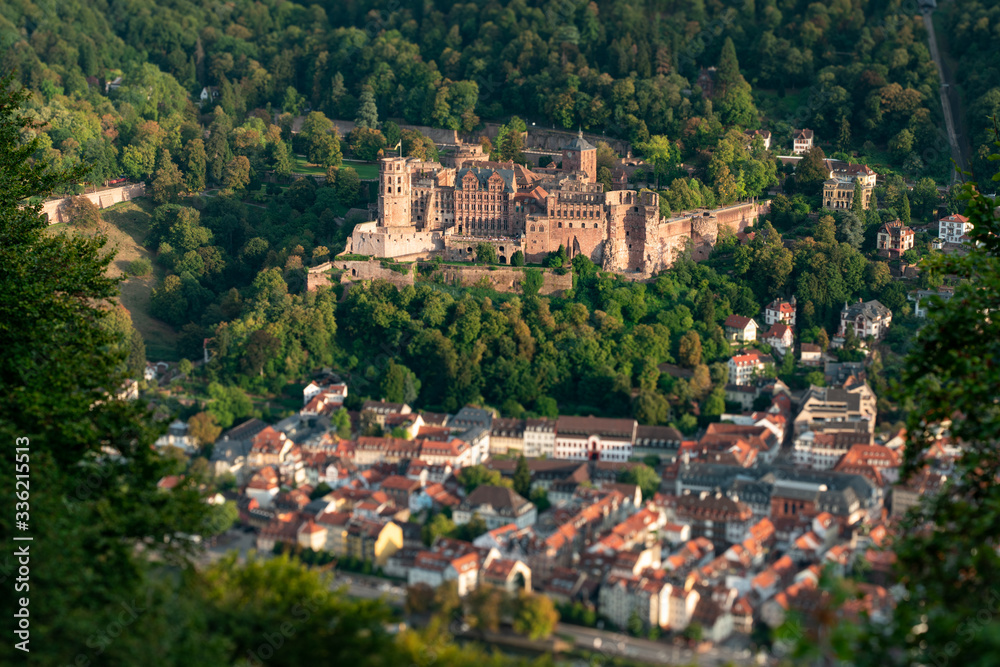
<point>126,226</point>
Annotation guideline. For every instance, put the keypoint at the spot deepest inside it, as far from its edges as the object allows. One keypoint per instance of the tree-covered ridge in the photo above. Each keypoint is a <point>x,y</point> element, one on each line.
<point>973,27</point>
<point>596,349</point>
<point>627,67</point>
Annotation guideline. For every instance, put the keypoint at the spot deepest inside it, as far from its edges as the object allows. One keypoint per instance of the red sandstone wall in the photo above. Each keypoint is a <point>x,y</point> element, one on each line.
<point>506,279</point>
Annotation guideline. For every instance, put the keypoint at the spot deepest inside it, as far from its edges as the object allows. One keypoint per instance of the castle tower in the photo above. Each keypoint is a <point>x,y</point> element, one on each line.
<point>580,155</point>
<point>393,192</point>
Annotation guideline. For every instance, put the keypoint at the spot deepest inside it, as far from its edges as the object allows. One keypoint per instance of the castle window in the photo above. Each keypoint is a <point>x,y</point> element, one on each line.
<point>595,225</point>
<point>532,228</point>
<point>560,225</point>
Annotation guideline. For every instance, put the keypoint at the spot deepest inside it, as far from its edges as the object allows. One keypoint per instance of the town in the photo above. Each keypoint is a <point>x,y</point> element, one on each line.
<point>635,527</point>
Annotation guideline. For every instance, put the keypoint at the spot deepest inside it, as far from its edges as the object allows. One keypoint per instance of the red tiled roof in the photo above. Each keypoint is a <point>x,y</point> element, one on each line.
<point>778,330</point>
<point>738,321</point>
<point>400,483</point>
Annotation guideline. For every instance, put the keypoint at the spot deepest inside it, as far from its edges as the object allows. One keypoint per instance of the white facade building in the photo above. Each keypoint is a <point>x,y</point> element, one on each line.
<point>780,311</point>
<point>584,438</point>
<point>952,228</point>
<point>802,141</point>
<point>742,367</point>
<point>539,438</point>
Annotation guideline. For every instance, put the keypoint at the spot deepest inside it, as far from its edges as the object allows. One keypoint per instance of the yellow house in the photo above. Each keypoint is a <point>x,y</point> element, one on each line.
<point>373,541</point>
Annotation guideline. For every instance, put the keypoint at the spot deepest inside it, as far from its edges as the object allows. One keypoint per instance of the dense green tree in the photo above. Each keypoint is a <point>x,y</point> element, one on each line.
<point>367,112</point>
<point>204,428</point>
<point>348,186</point>
<point>217,146</point>
<point>535,616</point>
<point>237,173</point>
<point>319,135</point>
<point>366,143</point>
<point>662,154</point>
<point>415,144</point>
<point>510,142</point>
<point>228,404</point>
<point>486,253</point>
<point>340,421</point>
<point>168,182</point>
<point>139,160</point>
<point>522,477</point>
<point>281,159</point>
<point>532,282</point>
<point>195,164</point>
<point>857,204</point>
<point>400,385</point>
<point>811,171</point>
<point>82,212</point>
<point>715,405</point>
<point>438,526</point>
<point>825,230</point>
<point>850,229</point>
<point>642,476</point>
<point>689,352</point>
<point>473,476</point>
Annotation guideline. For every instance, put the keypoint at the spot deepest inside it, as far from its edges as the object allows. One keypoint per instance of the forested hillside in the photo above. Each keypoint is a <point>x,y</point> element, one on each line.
<point>230,264</point>
<point>973,29</point>
<point>859,73</point>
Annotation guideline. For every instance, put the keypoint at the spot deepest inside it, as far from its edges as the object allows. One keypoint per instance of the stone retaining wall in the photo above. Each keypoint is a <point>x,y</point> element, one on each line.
<point>501,278</point>
<point>53,209</point>
<point>549,140</point>
<point>505,278</point>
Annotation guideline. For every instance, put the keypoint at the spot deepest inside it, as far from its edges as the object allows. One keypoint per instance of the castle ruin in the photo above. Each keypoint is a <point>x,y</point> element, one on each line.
<point>425,208</point>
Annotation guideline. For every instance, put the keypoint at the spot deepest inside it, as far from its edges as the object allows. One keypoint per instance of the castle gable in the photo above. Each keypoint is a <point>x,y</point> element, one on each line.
<point>476,178</point>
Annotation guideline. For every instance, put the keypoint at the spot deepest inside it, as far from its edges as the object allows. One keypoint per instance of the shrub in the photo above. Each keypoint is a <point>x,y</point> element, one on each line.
<point>140,267</point>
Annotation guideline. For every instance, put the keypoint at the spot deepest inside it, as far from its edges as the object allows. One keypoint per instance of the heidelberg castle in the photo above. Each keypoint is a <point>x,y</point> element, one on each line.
<point>427,208</point>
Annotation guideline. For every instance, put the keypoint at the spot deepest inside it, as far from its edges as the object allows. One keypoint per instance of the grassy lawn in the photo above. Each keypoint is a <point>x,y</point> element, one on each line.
<point>303,166</point>
<point>126,226</point>
<point>366,170</point>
